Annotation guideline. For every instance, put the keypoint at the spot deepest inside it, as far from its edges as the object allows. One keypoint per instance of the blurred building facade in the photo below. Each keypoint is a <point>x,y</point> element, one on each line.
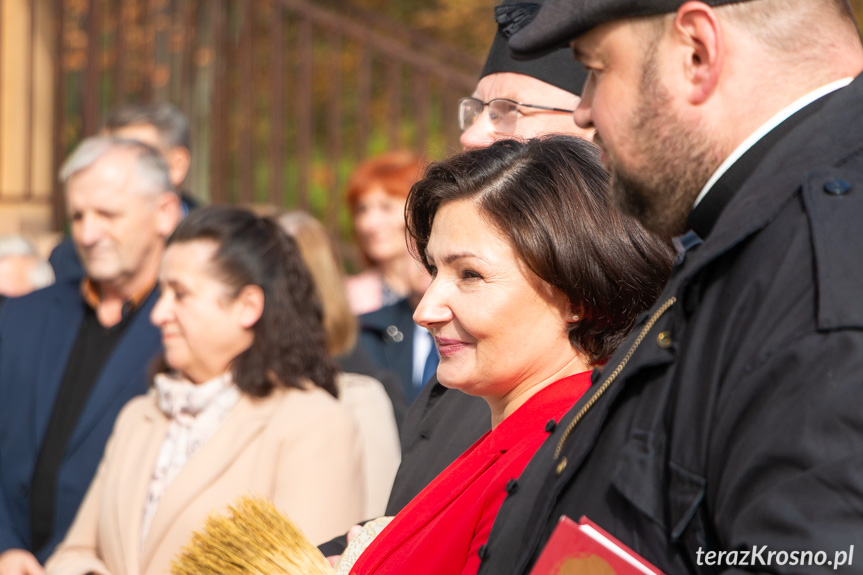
<point>284,96</point>
<point>27,86</point>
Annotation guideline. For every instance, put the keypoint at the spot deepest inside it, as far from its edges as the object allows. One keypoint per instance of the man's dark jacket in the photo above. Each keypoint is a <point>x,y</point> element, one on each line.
<point>440,425</point>
<point>37,334</point>
<point>732,418</point>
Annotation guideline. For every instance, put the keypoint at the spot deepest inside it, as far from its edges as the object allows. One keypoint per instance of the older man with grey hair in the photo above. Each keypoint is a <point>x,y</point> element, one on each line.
<point>72,354</point>
<point>164,127</point>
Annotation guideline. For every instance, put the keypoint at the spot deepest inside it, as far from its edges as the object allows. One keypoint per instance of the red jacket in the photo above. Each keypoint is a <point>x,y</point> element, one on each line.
<point>442,530</point>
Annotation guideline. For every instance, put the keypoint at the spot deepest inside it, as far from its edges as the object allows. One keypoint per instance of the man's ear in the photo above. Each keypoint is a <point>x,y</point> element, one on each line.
<point>698,28</point>
<point>168,212</point>
<point>179,159</point>
<point>251,302</point>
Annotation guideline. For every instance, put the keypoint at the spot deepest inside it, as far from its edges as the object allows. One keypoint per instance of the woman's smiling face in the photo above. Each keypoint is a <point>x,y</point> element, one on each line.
<point>498,327</point>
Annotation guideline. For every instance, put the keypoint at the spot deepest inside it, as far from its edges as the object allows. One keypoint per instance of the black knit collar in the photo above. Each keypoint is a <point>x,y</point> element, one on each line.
<point>704,216</point>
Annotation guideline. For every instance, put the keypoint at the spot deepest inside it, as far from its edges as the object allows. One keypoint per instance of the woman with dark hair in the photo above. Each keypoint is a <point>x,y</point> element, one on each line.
<point>536,280</point>
<point>243,403</point>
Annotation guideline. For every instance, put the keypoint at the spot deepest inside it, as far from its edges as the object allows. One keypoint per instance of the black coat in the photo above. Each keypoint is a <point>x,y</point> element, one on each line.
<point>732,417</point>
<point>440,425</point>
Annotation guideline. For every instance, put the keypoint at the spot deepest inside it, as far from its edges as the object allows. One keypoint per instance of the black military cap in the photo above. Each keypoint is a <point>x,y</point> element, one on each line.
<point>558,67</point>
<point>559,21</point>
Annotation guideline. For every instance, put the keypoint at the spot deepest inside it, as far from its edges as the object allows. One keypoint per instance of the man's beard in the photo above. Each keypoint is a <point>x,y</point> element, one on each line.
<point>676,162</point>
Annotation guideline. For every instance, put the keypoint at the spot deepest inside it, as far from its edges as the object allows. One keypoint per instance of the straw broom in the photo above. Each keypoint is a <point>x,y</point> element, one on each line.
<point>253,539</point>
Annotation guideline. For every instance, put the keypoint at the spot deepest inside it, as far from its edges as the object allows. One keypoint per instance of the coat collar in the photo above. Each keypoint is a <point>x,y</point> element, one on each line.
<point>704,215</point>
<point>246,422</point>
<point>399,314</point>
<point>822,140</point>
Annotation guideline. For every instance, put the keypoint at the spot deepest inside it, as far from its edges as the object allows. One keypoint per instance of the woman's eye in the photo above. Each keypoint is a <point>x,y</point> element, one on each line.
<point>470,275</point>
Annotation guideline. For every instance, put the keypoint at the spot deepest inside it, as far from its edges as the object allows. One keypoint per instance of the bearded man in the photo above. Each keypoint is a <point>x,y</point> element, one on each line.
<point>726,434</point>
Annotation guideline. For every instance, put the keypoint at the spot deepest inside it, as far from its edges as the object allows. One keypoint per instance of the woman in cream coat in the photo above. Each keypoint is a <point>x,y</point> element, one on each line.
<point>245,405</point>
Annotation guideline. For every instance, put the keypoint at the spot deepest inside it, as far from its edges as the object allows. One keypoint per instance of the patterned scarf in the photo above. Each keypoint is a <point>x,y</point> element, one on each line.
<point>196,411</point>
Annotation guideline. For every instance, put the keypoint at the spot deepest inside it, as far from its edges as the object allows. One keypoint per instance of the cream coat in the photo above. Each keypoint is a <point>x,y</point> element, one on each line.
<point>300,449</point>
<point>372,409</point>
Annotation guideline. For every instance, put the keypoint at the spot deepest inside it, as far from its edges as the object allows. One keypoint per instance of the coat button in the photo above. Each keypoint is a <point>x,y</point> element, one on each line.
<point>511,486</point>
<point>483,552</point>
<point>394,334</point>
<point>663,340</point>
<point>561,465</point>
<point>837,187</point>
<point>550,425</point>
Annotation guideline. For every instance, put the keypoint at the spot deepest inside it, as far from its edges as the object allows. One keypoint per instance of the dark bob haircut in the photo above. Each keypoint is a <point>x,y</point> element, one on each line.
<point>290,345</point>
<point>549,198</point>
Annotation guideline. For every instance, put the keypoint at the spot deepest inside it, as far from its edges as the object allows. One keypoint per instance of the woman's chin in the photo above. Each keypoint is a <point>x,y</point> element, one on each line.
<point>174,364</point>
<point>454,381</point>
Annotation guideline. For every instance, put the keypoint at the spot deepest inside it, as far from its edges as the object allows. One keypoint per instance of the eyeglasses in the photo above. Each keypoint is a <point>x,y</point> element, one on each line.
<point>502,113</point>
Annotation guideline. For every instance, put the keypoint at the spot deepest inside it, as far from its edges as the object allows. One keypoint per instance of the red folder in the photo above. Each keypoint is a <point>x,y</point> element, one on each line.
<point>584,548</point>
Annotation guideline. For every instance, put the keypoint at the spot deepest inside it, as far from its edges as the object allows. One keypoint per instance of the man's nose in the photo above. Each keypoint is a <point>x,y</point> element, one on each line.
<point>480,134</point>
<point>583,114</point>
<point>89,230</point>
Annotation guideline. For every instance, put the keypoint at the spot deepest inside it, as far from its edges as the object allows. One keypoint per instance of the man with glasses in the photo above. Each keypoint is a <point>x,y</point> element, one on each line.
<point>503,113</point>
<point>515,99</point>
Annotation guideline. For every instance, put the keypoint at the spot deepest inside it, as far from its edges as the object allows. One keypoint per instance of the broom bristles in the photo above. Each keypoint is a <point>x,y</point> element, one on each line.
<point>253,538</point>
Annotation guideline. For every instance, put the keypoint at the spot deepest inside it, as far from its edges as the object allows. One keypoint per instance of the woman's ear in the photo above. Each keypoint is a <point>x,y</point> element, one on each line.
<point>251,305</point>
<point>573,313</point>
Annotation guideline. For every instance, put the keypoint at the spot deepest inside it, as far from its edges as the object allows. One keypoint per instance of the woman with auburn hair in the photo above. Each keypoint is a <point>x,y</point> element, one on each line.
<point>376,195</point>
<point>364,395</point>
<point>536,280</point>
<point>243,403</point>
